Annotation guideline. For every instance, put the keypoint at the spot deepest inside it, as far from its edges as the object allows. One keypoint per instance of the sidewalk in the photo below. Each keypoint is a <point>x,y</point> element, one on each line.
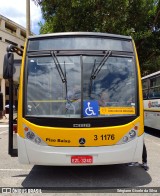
<point>4,120</point>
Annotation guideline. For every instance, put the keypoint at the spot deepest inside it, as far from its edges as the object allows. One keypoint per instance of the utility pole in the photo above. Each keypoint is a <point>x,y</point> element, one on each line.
<point>28,31</point>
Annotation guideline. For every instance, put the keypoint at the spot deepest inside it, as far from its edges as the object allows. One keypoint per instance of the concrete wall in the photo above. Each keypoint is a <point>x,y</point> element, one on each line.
<point>10,33</point>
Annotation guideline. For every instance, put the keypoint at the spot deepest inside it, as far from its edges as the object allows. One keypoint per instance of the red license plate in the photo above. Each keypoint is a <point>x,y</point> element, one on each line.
<point>81,159</point>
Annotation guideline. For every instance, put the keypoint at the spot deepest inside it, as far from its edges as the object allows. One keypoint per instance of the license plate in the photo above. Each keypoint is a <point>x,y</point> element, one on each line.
<point>81,159</point>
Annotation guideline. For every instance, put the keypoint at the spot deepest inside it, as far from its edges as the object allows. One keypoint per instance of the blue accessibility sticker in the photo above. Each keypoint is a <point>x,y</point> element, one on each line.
<point>90,108</point>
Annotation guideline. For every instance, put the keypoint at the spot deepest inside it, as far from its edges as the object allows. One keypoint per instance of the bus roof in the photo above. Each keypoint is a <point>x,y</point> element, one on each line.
<point>81,34</point>
<point>151,75</point>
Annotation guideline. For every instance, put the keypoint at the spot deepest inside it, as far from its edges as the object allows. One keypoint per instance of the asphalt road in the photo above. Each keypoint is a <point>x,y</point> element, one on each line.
<point>73,179</point>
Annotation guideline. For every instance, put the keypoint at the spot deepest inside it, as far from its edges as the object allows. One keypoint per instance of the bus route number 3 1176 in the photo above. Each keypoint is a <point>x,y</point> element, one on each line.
<point>104,137</point>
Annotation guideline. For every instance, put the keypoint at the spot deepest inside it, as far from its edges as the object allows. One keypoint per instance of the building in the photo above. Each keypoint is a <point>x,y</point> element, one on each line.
<point>10,33</point>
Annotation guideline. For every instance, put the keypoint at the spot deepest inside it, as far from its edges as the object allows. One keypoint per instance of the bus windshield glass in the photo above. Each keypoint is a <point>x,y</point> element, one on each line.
<point>91,84</point>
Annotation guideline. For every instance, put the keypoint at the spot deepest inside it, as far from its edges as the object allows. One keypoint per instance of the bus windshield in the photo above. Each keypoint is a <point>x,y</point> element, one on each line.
<point>85,91</point>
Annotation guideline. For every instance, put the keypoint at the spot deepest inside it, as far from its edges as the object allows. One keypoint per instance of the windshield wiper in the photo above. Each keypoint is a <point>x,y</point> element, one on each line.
<point>91,83</point>
<point>99,67</point>
<point>58,66</point>
<point>63,76</point>
<point>66,88</point>
<point>97,70</point>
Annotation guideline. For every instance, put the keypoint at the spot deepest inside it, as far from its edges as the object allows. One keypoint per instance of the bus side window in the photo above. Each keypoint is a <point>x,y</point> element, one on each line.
<point>152,93</point>
<point>145,95</point>
<point>155,93</point>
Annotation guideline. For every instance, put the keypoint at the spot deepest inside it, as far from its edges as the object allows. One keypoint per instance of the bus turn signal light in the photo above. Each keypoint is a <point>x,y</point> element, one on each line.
<point>26,129</point>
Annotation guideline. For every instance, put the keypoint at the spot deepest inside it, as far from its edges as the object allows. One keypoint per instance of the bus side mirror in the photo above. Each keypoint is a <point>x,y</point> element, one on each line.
<point>8,66</point>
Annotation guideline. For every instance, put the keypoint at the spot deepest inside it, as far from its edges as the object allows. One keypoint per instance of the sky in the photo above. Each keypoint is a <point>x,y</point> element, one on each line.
<point>15,10</point>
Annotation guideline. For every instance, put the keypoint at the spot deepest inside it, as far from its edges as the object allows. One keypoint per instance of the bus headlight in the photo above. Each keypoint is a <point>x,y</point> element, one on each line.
<point>31,136</point>
<point>132,134</point>
<point>38,140</point>
<point>125,139</point>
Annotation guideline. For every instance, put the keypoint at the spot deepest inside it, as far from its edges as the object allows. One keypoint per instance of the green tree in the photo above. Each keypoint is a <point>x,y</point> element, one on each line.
<point>138,18</point>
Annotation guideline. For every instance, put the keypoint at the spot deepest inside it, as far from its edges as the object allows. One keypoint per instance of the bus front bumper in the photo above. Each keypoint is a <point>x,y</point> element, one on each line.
<point>31,153</point>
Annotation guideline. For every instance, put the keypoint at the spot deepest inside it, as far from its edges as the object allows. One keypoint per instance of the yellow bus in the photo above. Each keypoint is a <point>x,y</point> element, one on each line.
<point>80,100</point>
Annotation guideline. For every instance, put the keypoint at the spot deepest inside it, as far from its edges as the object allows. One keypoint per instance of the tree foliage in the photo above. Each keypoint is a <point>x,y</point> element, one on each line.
<point>138,18</point>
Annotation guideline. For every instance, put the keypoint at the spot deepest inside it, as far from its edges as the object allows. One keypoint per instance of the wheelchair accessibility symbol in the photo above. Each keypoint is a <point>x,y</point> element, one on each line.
<point>90,108</point>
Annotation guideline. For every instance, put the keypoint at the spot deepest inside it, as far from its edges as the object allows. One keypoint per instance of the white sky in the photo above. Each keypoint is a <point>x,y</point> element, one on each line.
<point>15,10</point>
